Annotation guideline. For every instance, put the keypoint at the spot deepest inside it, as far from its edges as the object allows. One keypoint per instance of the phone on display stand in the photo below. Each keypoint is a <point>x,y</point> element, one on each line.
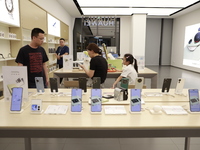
<point>39,84</point>
<point>179,86</point>
<point>16,99</point>
<point>83,83</point>
<point>36,106</point>
<point>96,82</point>
<point>194,100</point>
<point>139,82</point>
<point>76,100</point>
<point>166,84</point>
<point>124,83</point>
<point>53,85</point>
<point>96,101</point>
<point>135,103</point>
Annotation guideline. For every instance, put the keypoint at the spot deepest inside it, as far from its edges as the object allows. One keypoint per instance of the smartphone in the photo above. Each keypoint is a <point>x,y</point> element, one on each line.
<point>83,83</point>
<point>166,84</point>
<point>96,100</point>
<point>36,105</point>
<point>135,102</point>
<point>76,100</point>
<point>194,100</point>
<point>124,83</point>
<point>179,86</point>
<point>16,99</point>
<point>96,82</point>
<point>39,84</point>
<point>53,84</point>
<point>139,82</point>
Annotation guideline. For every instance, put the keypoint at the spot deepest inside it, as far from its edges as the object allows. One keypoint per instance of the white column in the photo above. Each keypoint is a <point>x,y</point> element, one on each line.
<point>138,38</point>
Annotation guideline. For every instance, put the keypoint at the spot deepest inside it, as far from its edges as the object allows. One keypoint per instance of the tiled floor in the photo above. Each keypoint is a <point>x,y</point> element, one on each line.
<point>192,81</point>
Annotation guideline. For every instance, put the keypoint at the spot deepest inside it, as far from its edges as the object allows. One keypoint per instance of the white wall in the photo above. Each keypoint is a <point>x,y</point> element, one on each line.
<point>178,38</point>
<point>125,35</point>
<point>55,9</point>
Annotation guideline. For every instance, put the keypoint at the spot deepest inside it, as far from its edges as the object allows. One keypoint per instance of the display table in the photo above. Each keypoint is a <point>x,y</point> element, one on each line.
<point>87,125</point>
<point>76,73</point>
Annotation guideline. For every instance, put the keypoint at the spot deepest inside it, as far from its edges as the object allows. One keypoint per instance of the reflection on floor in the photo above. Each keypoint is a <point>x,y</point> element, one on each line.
<point>192,80</point>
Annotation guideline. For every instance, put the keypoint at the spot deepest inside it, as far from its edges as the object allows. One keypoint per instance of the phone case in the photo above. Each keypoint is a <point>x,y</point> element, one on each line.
<point>194,100</point>
<point>124,83</point>
<point>83,84</point>
<point>139,82</point>
<point>39,84</point>
<point>166,84</point>
<point>96,82</point>
<point>53,84</point>
<point>16,99</point>
<point>179,86</point>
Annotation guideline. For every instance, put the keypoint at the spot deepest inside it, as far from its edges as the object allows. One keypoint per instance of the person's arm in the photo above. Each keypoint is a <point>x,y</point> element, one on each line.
<point>46,73</point>
<point>90,73</point>
<point>19,64</point>
<point>118,79</point>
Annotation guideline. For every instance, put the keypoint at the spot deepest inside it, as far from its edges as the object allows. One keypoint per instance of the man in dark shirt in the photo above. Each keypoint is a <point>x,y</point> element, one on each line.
<point>34,57</point>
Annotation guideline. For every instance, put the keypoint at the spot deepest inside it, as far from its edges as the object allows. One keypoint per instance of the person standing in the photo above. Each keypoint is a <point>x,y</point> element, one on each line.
<point>98,64</point>
<point>61,50</point>
<point>34,57</point>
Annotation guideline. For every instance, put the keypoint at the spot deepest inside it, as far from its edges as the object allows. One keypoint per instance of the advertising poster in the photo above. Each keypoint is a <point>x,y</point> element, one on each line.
<point>67,62</point>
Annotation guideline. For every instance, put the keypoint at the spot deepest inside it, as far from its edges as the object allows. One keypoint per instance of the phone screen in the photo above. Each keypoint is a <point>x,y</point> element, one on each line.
<point>194,100</point>
<point>135,103</point>
<point>96,100</point>
<point>16,100</point>
<point>76,100</point>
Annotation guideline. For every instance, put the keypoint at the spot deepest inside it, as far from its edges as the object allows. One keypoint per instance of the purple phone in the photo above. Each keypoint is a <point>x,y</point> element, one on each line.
<point>96,100</point>
<point>135,103</point>
<point>16,100</point>
<point>76,100</point>
<point>194,100</point>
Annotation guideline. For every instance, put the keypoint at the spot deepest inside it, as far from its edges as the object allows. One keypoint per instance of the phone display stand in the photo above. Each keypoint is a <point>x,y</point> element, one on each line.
<point>76,113</point>
<point>166,93</point>
<point>193,112</point>
<point>40,92</point>
<point>17,112</point>
<point>37,112</point>
<point>96,113</point>
<point>135,112</point>
<point>54,92</point>
<point>181,94</point>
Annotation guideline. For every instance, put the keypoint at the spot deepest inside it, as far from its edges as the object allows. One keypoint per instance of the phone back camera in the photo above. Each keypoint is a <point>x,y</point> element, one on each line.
<point>139,80</point>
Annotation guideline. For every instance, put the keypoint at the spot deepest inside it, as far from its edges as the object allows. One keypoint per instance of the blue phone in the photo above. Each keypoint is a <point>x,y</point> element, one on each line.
<point>96,100</point>
<point>16,100</point>
<point>39,84</point>
<point>76,100</point>
<point>135,103</point>
<point>194,100</point>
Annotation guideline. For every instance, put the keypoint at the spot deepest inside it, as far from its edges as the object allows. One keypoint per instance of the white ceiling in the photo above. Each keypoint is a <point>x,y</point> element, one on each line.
<point>153,8</point>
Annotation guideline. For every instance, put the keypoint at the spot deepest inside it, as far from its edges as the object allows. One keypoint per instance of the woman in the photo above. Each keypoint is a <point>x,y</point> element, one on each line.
<point>130,71</point>
<point>98,64</point>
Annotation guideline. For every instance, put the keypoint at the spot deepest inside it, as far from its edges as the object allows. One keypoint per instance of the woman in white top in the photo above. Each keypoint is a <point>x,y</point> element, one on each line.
<point>130,71</point>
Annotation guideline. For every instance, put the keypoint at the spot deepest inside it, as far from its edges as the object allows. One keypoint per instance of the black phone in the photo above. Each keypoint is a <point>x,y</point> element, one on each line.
<point>166,84</point>
<point>96,83</point>
<point>83,83</point>
<point>53,84</point>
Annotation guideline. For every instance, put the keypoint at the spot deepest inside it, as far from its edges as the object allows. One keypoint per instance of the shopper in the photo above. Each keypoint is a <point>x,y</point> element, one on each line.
<point>61,50</point>
<point>130,71</point>
<point>34,57</point>
<point>98,64</point>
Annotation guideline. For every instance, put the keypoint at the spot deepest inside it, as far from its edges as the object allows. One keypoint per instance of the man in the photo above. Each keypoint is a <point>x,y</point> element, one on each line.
<point>34,57</point>
<point>61,50</point>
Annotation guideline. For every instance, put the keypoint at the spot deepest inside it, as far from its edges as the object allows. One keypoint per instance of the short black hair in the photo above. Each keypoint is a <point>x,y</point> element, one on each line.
<point>62,39</point>
<point>35,32</point>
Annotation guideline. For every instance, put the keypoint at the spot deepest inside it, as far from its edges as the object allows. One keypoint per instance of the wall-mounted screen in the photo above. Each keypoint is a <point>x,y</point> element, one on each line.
<point>10,12</point>
<point>53,26</point>
<point>191,56</point>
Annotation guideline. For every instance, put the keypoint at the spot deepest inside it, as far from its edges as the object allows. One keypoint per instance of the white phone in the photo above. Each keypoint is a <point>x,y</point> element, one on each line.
<point>179,86</point>
<point>139,82</point>
<point>36,105</point>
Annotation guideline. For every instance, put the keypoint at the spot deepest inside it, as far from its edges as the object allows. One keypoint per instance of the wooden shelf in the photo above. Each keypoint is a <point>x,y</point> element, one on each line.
<point>6,59</point>
<point>11,39</point>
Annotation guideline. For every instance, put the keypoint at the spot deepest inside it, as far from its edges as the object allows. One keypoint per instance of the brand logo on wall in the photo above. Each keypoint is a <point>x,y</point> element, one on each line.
<point>99,21</point>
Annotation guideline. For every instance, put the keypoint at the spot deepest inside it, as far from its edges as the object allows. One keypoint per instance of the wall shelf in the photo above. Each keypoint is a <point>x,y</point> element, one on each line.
<point>6,59</point>
<point>11,39</point>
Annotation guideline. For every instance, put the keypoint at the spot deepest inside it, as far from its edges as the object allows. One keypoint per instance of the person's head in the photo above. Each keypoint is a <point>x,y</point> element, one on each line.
<point>93,50</point>
<point>62,42</point>
<point>129,59</point>
<point>37,36</point>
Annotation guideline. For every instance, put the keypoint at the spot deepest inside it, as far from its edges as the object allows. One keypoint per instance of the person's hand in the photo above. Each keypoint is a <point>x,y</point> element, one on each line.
<point>113,86</point>
<point>81,65</point>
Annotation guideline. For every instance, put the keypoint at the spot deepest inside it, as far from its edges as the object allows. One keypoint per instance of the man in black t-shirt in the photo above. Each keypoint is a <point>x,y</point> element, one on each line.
<point>34,57</point>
